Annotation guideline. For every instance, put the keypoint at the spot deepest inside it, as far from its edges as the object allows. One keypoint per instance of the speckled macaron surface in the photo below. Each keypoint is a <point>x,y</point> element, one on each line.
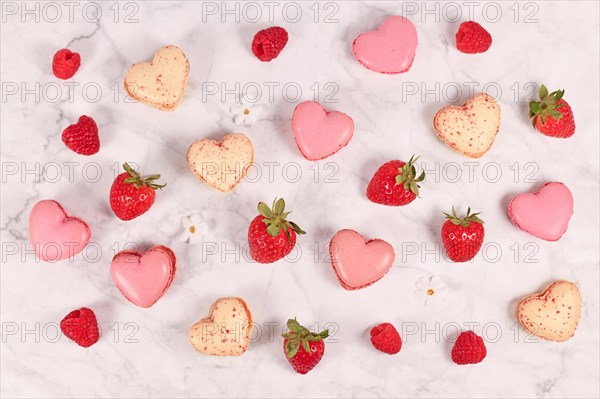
<point>160,83</point>
<point>227,330</point>
<point>221,164</point>
<point>552,314</point>
<point>470,129</point>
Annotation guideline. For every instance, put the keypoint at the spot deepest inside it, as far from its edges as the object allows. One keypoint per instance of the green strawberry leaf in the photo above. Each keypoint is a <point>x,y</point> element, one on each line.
<point>291,348</point>
<point>543,92</point>
<point>535,108</point>
<point>306,346</point>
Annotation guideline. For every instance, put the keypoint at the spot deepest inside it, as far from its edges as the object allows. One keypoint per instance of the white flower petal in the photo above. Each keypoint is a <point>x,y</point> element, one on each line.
<point>258,110</point>
<point>240,119</point>
<point>196,219</point>
<point>185,235</point>
<point>186,222</point>
<point>437,283</point>
<point>237,108</point>
<point>250,119</point>
<point>196,239</point>
<point>423,283</point>
<point>201,228</point>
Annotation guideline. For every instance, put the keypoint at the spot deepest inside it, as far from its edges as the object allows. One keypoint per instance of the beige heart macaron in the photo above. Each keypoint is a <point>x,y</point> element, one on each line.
<point>552,314</point>
<point>160,83</point>
<point>471,129</point>
<point>221,164</point>
<point>226,331</point>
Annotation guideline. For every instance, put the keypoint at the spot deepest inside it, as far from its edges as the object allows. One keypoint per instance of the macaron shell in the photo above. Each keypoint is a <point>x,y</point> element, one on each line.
<point>319,133</point>
<point>544,214</point>
<point>227,330</point>
<point>357,262</point>
<point>390,49</point>
<point>471,129</point>
<point>221,165</point>
<point>53,234</point>
<point>144,279</point>
<point>162,82</point>
<point>554,313</point>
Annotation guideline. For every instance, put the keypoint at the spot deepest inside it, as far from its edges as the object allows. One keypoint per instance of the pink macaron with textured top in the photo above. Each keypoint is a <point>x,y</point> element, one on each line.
<point>390,49</point>
<point>544,214</point>
<point>53,234</point>
<point>320,133</point>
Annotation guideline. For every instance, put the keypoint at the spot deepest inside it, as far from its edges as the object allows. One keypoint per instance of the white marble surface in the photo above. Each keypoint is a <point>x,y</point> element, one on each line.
<point>151,356</point>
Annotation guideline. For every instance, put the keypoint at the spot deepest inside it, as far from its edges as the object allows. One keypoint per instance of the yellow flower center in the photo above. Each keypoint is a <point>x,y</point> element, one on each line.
<point>192,229</point>
<point>246,111</point>
<point>430,291</point>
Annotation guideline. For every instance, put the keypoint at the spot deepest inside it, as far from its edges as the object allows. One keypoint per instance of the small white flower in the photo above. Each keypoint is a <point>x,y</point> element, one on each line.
<point>194,229</point>
<point>431,287</point>
<point>246,113</point>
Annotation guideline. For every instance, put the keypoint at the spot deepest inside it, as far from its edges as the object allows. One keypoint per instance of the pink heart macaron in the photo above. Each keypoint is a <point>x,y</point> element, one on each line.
<point>144,278</point>
<point>320,133</point>
<point>544,214</point>
<point>390,49</point>
<point>358,262</point>
<point>53,234</point>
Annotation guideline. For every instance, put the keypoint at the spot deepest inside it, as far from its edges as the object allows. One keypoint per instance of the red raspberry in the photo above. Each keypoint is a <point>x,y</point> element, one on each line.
<point>268,43</point>
<point>65,63</point>
<point>385,338</point>
<point>81,327</point>
<point>468,349</point>
<point>471,38</point>
<point>82,137</point>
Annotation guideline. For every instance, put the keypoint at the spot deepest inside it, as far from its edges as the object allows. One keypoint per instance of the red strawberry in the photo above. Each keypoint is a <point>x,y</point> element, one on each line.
<point>82,137</point>
<point>65,63</point>
<point>468,349</point>
<point>270,235</point>
<point>385,338</point>
<point>303,349</point>
<point>471,38</point>
<point>395,183</point>
<point>131,195</point>
<point>81,327</point>
<point>268,43</point>
<point>462,238</point>
<point>552,115</point>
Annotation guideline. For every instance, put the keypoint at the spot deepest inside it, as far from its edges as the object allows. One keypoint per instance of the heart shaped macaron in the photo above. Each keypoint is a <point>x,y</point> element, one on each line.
<point>160,83</point>
<point>552,314</point>
<point>318,132</point>
<point>390,49</point>
<point>357,262</point>
<point>471,129</point>
<point>144,278</point>
<point>544,214</point>
<point>221,164</point>
<point>53,234</point>
<point>226,331</point>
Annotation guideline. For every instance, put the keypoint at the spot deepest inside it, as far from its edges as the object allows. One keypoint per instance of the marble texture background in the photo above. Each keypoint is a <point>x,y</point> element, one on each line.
<point>145,352</point>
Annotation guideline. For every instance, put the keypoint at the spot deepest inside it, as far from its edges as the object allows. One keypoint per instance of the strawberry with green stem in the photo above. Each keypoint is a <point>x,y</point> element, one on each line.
<point>462,237</point>
<point>131,194</point>
<point>303,348</point>
<point>552,115</point>
<point>395,183</point>
<point>270,235</point>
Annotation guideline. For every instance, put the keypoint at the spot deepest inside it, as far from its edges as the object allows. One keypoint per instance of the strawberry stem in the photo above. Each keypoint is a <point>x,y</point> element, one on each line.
<point>407,176</point>
<point>464,222</point>
<point>547,106</point>
<point>275,219</point>
<point>138,181</point>
<point>300,336</point>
